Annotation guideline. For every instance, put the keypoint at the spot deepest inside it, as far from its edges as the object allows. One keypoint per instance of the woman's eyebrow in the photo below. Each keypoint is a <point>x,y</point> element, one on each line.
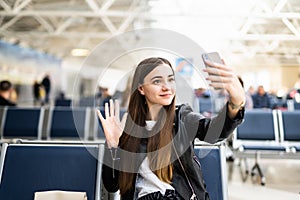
<point>161,76</point>
<point>156,77</point>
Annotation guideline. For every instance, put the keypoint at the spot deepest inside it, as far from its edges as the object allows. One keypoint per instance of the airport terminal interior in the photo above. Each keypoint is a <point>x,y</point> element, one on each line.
<point>61,60</point>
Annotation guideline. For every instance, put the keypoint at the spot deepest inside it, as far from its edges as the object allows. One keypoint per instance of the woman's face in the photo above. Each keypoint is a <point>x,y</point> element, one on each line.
<point>159,86</point>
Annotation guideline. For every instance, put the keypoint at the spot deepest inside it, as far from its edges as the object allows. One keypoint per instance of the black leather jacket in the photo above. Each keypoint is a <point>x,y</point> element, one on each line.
<point>187,174</point>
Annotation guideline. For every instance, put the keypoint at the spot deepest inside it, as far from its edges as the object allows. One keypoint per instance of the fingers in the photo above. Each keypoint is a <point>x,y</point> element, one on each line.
<point>219,75</point>
<point>220,79</point>
<point>106,111</point>
<point>215,65</point>
<point>99,115</point>
<point>117,108</point>
<point>217,85</point>
<point>218,72</point>
<point>223,61</point>
<point>112,108</point>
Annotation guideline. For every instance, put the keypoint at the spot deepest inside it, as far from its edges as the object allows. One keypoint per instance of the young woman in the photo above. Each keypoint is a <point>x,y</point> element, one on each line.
<point>151,155</point>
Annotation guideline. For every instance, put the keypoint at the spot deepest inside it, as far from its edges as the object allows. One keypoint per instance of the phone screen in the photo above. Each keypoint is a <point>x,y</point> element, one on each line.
<point>213,57</point>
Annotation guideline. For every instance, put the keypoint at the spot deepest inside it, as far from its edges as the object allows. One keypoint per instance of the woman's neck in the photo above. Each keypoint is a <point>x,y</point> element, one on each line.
<point>153,111</point>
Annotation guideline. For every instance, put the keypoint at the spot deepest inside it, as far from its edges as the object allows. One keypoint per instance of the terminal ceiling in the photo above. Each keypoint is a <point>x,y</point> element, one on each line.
<point>260,28</point>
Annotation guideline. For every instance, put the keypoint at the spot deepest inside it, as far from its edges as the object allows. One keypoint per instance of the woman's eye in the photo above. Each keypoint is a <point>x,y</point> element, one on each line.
<point>172,79</point>
<point>156,82</point>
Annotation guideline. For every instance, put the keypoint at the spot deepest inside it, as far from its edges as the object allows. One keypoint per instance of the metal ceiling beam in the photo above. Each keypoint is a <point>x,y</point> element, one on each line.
<point>257,37</point>
<point>118,13</point>
<point>21,6</point>
<point>290,26</point>
<point>130,18</point>
<point>279,6</point>
<point>107,4</point>
<point>6,7</point>
<point>93,5</point>
<point>265,7</point>
<point>62,27</point>
<point>247,25</point>
<point>55,23</point>
<point>102,35</point>
<point>67,13</point>
<point>9,23</point>
<point>45,24</point>
<point>110,26</point>
<point>127,22</point>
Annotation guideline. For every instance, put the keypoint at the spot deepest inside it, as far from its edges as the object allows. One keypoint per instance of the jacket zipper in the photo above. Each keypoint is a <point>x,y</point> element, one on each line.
<point>197,161</point>
<point>193,197</point>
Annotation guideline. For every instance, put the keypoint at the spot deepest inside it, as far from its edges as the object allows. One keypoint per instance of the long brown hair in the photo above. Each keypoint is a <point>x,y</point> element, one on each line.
<point>158,150</point>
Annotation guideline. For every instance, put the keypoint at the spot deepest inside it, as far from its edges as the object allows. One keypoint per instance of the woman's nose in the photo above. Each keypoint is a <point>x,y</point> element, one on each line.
<point>166,86</point>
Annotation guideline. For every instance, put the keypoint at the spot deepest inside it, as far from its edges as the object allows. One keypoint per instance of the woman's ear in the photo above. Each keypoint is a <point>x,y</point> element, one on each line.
<point>141,90</point>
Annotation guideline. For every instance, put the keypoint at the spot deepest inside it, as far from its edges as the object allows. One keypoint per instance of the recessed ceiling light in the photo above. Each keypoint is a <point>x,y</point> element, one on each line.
<point>80,52</point>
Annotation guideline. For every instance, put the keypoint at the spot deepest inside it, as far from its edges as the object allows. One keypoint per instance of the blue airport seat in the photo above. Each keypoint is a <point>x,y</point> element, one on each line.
<point>264,148</point>
<point>213,164</point>
<point>98,129</point>
<point>68,123</point>
<point>296,105</point>
<point>27,168</point>
<point>205,105</point>
<point>259,133</point>
<point>23,123</point>
<point>63,102</point>
<point>259,129</point>
<point>90,101</point>
<point>289,128</point>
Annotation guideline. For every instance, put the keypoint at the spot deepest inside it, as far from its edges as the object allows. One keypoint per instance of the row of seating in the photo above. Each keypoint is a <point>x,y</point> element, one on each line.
<point>50,123</point>
<point>269,134</point>
<point>269,130</point>
<point>29,168</point>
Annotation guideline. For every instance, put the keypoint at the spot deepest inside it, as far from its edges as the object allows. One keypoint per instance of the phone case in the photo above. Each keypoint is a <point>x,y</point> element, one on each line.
<point>213,57</point>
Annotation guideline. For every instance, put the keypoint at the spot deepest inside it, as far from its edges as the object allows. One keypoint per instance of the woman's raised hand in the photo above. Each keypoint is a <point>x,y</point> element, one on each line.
<point>223,77</point>
<point>112,126</point>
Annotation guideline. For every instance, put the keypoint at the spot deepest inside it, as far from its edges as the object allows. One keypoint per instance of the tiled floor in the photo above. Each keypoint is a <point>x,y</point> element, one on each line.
<point>282,181</point>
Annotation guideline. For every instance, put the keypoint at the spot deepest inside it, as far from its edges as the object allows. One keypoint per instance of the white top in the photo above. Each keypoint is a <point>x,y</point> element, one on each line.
<point>147,182</point>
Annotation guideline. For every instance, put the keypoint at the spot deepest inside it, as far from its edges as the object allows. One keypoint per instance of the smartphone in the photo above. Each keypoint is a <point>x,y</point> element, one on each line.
<point>213,57</point>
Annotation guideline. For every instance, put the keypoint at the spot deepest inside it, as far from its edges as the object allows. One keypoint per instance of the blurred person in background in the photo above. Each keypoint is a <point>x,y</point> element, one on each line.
<point>297,84</point>
<point>36,93</point>
<point>6,91</point>
<point>261,99</point>
<point>46,83</point>
<point>103,95</point>
<point>294,93</point>
<point>251,91</point>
